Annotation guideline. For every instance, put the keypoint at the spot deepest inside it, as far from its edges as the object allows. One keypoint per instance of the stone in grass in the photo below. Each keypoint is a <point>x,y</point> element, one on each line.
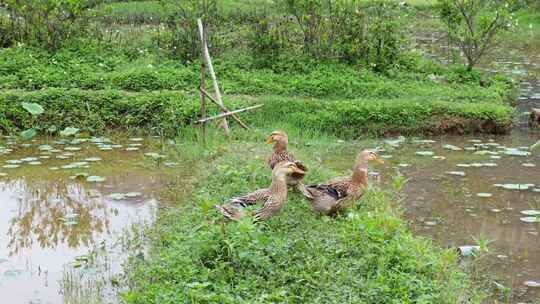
<point>10,166</point>
<point>117,196</point>
<point>136,139</point>
<point>515,186</point>
<point>484,194</point>
<point>439,157</point>
<point>35,163</point>
<point>529,165</point>
<point>132,149</point>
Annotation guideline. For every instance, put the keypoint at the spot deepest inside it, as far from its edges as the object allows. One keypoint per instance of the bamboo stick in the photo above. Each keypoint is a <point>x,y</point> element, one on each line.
<point>229,113</point>
<point>233,116</point>
<point>208,60</point>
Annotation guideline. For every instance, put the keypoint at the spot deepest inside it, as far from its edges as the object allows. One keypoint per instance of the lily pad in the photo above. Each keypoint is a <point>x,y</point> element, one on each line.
<point>93,159</point>
<point>28,134</point>
<point>117,196</point>
<point>45,148</point>
<point>515,186</point>
<point>425,153</point>
<point>530,219</point>
<point>133,194</point>
<point>95,179</point>
<point>484,194</point>
<point>33,108</point>
<point>530,212</point>
<point>12,273</point>
<point>534,284</point>
<point>69,131</point>
<point>516,152</point>
<point>456,173</point>
<point>452,147</point>
<point>154,155</point>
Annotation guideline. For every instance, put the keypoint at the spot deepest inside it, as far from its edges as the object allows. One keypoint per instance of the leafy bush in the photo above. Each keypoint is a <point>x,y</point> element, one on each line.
<point>46,23</point>
<point>183,40</point>
<point>472,25</point>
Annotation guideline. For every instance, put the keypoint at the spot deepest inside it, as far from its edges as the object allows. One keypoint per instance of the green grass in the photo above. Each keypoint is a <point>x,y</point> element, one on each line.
<point>95,67</point>
<point>131,12</point>
<point>171,113</point>
<point>365,256</point>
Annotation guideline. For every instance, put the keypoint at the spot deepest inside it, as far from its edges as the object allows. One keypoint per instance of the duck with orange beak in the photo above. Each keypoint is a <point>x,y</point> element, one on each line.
<point>337,194</point>
<point>275,198</point>
<point>279,154</point>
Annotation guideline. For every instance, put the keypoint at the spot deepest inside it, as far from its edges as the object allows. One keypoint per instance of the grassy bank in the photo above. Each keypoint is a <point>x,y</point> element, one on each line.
<point>365,256</point>
<point>170,113</point>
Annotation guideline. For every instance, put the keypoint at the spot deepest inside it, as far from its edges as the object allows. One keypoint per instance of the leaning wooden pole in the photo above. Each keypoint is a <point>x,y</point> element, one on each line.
<point>203,100</point>
<point>208,61</point>
<point>229,113</point>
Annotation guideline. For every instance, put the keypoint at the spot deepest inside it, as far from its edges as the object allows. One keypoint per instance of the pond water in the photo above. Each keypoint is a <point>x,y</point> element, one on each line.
<point>63,199</point>
<point>462,187</point>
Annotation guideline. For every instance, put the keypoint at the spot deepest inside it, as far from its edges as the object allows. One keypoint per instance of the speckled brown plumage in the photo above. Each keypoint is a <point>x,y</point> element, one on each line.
<point>339,193</point>
<point>274,196</point>
<point>281,154</point>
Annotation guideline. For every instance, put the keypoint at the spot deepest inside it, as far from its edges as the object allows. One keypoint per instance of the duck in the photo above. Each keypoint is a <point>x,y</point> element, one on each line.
<point>279,154</point>
<point>335,195</point>
<point>274,196</point>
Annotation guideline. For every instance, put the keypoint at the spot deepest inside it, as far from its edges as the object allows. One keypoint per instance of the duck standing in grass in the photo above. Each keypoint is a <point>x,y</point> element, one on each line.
<point>331,197</point>
<point>274,197</point>
<point>279,154</point>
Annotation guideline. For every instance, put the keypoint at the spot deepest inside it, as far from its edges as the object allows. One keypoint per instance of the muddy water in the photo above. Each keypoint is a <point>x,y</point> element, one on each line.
<point>449,209</point>
<point>50,217</point>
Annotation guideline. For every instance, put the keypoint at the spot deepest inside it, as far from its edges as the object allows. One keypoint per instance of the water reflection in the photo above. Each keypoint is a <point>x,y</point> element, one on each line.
<point>43,212</point>
<point>447,208</point>
<point>48,219</point>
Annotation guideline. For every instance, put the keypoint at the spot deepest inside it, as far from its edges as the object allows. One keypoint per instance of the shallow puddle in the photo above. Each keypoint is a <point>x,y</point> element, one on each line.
<point>466,193</point>
<point>60,200</point>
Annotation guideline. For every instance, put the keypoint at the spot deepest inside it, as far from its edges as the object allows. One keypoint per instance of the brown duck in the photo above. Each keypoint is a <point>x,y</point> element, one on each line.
<point>274,196</point>
<point>339,193</point>
<point>279,154</point>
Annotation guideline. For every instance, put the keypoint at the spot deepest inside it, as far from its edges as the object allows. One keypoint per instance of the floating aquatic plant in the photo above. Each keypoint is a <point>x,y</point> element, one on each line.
<point>95,179</point>
<point>69,131</point>
<point>425,153</point>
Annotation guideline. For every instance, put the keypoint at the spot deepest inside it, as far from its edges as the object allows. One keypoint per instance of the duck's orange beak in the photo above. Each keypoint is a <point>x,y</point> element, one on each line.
<point>270,140</point>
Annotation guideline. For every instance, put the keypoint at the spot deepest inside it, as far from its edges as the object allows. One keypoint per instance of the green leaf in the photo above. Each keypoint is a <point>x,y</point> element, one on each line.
<point>69,131</point>
<point>33,108</point>
<point>28,134</point>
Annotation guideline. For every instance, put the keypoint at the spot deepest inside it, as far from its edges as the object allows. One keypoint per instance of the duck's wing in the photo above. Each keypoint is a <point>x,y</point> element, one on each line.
<point>336,188</point>
<point>271,207</point>
<point>251,198</point>
<point>230,212</point>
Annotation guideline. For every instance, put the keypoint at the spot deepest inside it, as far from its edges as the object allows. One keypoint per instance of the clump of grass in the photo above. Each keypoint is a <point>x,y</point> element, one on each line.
<point>367,255</point>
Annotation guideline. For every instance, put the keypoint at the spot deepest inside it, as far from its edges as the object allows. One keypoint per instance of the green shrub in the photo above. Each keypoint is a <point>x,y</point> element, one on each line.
<point>169,112</point>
